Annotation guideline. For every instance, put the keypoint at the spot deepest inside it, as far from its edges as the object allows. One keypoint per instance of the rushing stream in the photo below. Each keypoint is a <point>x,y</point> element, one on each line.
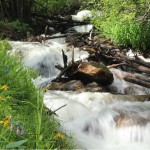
<point>96,120</point>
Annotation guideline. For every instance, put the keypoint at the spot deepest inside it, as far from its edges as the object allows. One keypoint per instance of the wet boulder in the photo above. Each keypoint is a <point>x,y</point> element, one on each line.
<point>76,85</point>
<point>93,72</point>
<point>126,120</point>
<point>73,85</point>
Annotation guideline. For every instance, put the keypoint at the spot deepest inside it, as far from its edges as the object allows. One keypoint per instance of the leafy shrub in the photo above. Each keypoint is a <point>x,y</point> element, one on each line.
<point>125,22</point>
<point>20,26</point>
<point>53,6</point>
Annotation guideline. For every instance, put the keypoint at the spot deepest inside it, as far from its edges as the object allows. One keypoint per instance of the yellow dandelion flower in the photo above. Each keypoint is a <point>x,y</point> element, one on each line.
<point>4,87</point>
<point>59,135</point>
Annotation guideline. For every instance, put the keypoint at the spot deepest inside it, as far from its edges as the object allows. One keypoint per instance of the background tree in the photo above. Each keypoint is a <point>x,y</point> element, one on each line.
<point>17,9</point>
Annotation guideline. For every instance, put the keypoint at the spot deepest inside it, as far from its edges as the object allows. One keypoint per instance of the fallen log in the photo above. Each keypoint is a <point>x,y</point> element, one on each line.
<point>142,62</point>
<point>136,60</point>
<point>134,64</point>
<point>136,79</point>
<point>138,67</point>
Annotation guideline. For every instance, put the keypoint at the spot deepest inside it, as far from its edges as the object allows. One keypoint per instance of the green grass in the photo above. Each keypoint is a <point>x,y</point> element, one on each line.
<point>24,122</point>
<point>124,22</point>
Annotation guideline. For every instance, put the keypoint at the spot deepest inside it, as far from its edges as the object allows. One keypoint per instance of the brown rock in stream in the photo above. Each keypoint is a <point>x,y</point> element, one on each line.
<point>93,72</point>
<point>126,120</point>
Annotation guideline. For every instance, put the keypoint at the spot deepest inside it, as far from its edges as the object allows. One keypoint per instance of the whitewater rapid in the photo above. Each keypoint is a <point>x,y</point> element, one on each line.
<point>96,120</point>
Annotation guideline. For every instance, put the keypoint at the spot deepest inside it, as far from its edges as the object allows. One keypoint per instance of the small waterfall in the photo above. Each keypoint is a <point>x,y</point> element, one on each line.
<point>43,57</point>
<point>96,120</point>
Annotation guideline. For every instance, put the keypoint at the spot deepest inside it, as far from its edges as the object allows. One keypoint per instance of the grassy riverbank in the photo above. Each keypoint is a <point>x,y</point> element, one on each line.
<point>24,123</point>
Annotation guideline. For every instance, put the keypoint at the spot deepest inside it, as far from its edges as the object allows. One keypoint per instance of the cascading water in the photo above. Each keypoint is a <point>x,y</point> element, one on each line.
<point>126,87</point>
<point>43,57</point>
<point>96,120</point>
<point>102,120</point>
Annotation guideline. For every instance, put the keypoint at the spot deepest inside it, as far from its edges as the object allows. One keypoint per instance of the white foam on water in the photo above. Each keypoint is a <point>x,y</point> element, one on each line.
<point>82,15</point>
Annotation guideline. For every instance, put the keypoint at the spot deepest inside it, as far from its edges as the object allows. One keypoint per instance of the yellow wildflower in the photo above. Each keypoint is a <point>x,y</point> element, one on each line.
<point>6,122</point>
<point>1,97</point>
<point>8,117</point>
<point>59,135</point>
<point>4,87</point>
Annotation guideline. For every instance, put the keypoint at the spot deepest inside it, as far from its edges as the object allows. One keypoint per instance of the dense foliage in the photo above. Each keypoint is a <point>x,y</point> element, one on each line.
<point>126,22</point>
<point>25,10</point>
<point>36,13</point>
<point>53,7</point>
<point>24,123</point>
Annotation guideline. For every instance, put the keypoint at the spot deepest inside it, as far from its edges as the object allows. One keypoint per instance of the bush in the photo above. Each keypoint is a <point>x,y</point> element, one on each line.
<point>20,26</point>
<point>125,22</point>
<point>24,122</point>
<point>53,7</point>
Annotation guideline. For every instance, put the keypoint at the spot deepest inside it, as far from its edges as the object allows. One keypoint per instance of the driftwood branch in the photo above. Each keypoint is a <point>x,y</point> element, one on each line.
<point>64,71</point>
<point>135,80</point>
<point>59,67</point>
<point>138,67</point>
<point>72,55</point>
<point>65,59</point>
<point>59,108</point>
<point>115,65</point>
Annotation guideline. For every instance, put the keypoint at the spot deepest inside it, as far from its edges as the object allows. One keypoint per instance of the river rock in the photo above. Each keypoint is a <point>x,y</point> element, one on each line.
<point>76,85</point>
<point>94,72</point>
<point>94,87</point>
<point>126,120</point>
<point>73,85</point>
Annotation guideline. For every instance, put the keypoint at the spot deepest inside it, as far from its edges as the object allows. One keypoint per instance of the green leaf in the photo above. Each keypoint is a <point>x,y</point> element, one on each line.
<point>16,144</point>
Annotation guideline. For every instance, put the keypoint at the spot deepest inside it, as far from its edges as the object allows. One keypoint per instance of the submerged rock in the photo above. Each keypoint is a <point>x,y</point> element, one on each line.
<point>73,85</point>
<point>126,120</point>
<point>76,85</point>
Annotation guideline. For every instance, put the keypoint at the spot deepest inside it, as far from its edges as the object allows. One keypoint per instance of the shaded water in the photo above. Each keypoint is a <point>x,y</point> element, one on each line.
<point>96,120</point>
